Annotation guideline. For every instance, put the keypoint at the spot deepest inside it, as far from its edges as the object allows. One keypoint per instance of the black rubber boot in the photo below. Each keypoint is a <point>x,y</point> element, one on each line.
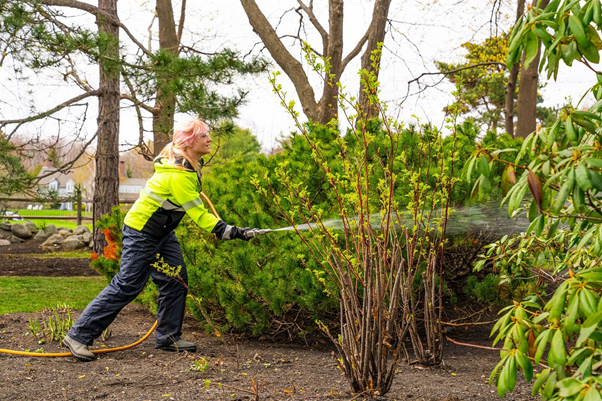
<point>178,346</point>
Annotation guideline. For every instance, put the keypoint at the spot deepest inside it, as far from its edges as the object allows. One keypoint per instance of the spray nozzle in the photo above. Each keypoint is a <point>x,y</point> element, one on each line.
<point>254,232</point>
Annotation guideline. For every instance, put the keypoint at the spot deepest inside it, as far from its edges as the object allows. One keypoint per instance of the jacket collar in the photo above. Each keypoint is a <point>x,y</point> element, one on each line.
<point>182,162</point>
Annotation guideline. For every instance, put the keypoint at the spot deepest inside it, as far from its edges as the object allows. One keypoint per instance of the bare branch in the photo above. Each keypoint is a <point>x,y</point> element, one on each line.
<point>69,165</point>
<point>47,113</point>
<point>55,21</point>
<point>291,66</point>
<point>80,82</point>
<point>192,50</point>
<point>150,32</point>
<point>181,23</point>
<point>98,13</point>
<point>143,149</point>
<point>356,49</point>
<point>466,67</point>
<point>138,103</point>
<point>309,10</point>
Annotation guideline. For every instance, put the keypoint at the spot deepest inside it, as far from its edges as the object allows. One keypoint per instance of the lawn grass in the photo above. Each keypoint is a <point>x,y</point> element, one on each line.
<point>26,214</point>
<point>33,294</point>
<point>41,223</point>
<point>63,255</point>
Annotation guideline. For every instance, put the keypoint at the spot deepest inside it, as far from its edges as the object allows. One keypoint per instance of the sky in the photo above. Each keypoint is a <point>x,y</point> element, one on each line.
<point>420,33</point>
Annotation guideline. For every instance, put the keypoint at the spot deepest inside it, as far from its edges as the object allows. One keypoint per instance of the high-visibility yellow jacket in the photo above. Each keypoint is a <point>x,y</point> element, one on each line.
<point>170,193</point>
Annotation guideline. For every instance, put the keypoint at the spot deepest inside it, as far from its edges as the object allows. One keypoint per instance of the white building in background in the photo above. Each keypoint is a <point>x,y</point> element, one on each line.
<point>129,188</point>
<point>64,185</point>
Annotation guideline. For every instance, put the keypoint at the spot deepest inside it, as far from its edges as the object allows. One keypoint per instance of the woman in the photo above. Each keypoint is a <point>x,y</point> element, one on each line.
<point>148,228</point>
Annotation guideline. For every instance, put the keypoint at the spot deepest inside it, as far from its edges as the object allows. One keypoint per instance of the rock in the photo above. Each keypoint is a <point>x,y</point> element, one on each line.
<point>91,244</point>
<point>72,243</point>
<point>87,238</point>
<point>5,225</point>
<point>64,233</point>
<point>16,240</point>
<point>41,236</point>
<point>21,231</point>
<point>50,229</point>
<point>81,230</point>
<point>65,229</point>
<point>32,227</point>
<point>5,234</point>
<point>52,241</point>
<point>4,242</point>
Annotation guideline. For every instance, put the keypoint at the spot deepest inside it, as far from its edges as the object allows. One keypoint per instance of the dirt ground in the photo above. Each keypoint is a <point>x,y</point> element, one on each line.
<point>304,369</point>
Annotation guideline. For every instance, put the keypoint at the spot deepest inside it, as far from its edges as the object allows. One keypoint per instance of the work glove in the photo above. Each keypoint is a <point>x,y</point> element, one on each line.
<point>225,231</point>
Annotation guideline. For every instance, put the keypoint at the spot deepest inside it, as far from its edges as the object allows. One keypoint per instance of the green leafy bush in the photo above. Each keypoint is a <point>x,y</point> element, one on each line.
<point>564,240</point>
<point>486,291</point>
<point>251,285</point>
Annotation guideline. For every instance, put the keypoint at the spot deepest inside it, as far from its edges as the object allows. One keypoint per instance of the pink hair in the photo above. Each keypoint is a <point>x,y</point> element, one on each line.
<point>185,132</point>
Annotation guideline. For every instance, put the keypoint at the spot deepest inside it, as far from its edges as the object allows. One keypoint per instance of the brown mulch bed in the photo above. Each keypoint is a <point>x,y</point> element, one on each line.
<point>19,259</point>
<point>303,369</point>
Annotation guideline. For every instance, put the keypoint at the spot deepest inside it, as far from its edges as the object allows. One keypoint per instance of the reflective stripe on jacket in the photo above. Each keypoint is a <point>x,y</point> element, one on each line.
<point>170,193</point>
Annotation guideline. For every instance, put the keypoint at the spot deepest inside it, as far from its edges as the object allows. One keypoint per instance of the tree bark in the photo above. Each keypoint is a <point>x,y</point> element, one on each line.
<point>290,65</point>
<point>328,104</point>
<point>165,103</point>
<point>326,108</point>
<point>527,92</point>
<point>511,87</point>
<point>376,35</point>
<point>106,181</point>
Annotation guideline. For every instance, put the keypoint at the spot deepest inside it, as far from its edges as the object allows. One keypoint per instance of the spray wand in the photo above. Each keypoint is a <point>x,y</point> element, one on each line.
<point>254,232</point>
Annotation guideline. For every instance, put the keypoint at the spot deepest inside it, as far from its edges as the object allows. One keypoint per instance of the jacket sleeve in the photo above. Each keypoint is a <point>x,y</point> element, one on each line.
<point>183,188</point>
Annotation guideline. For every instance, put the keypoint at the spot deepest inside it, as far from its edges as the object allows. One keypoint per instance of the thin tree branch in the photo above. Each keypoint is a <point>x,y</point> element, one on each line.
<point>98,13</point>
<point>472,345</point>
<point>80,82</point>
<point>291,66</point>
<point>150,32</point>
<point>143,149</point>
<point>47,113</point>
<point>309,10</point>
<point>466,67</point>
<point>138,103</point>
<point>181,23</point>
<point>356,50</point>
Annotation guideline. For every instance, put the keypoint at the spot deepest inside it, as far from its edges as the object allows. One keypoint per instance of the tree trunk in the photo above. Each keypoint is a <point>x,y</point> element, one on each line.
<point>509,105</point>
<point>165,104</point>
<point>291,66</point>
<point>511,87</point>
<point>376,36</point>
<point>527,93</point>
<point>323,111</point>
<point>328,104</point>
<point>106,182</point>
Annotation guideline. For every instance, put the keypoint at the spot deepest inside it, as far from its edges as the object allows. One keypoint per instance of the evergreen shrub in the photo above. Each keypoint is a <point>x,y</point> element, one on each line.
<point>107,264</point>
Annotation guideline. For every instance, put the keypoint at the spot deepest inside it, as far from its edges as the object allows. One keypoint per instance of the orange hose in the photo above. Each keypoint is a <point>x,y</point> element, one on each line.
<point>210,205</point>
<point>96,351</point>
<point>102,351</point>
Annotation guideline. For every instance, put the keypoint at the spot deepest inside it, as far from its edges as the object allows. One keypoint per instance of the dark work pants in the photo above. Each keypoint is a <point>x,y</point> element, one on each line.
<point>139,252</point>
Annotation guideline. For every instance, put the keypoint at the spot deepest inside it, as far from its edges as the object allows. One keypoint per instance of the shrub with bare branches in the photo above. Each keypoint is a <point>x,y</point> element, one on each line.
<point>381,254</point>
